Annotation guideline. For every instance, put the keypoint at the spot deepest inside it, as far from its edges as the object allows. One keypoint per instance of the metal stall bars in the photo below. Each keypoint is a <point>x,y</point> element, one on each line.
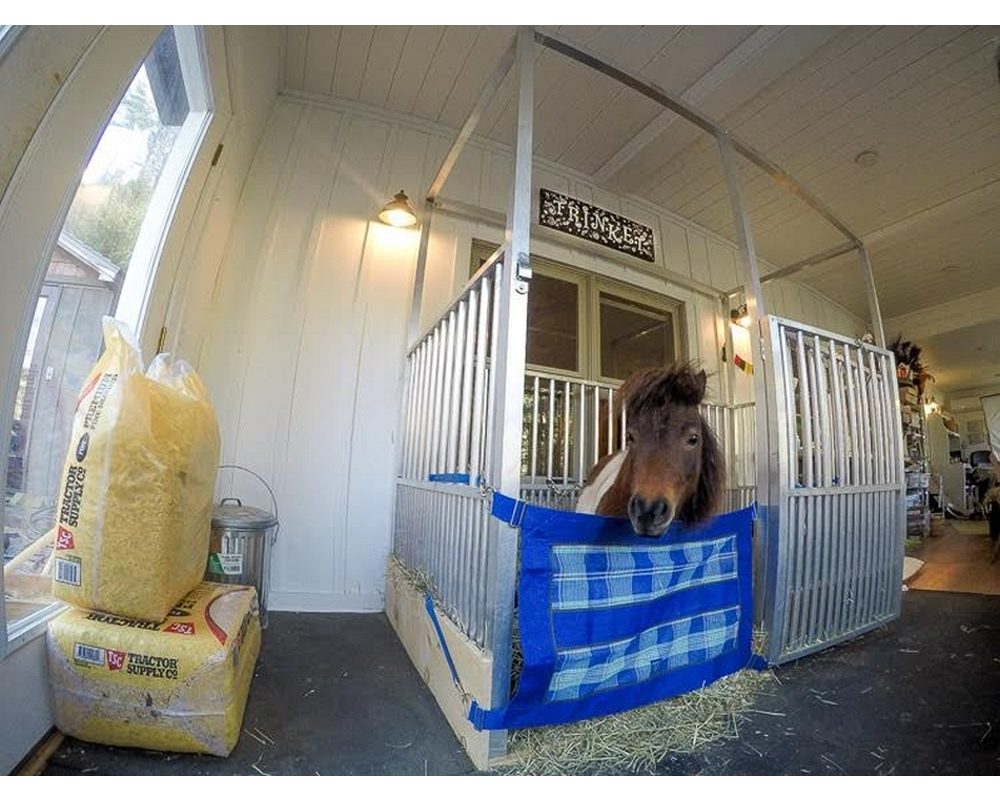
<point>839,557</point>
<point>442,519</point>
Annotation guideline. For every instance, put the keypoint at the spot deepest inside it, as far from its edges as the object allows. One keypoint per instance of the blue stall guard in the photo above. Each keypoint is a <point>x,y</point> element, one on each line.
<point>610,620</point>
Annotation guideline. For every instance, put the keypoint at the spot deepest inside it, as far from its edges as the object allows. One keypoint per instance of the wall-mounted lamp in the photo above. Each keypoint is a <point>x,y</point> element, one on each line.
<point>398,212</point>
<point>931,408</point>
<point>740,316</point>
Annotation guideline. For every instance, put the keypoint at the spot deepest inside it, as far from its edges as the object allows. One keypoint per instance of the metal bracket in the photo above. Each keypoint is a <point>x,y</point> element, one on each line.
<point>523,267</point>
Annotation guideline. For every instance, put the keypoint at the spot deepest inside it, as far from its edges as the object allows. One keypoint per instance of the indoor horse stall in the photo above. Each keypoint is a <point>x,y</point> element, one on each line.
<point>817,451</point>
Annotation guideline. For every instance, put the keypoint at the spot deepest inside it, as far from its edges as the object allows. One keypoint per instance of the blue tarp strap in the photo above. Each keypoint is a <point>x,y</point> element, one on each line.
<point>508,509</point>
<point>451,477</point>
<point>757,662</point>
<point>429,605</point>
<point>486,718</point>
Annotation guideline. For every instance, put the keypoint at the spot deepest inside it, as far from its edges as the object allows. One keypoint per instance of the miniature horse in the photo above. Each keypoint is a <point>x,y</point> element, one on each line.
<point>671,467</point>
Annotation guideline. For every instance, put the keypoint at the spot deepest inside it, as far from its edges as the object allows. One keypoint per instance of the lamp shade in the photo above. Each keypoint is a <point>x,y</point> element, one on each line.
<point>398,212</point>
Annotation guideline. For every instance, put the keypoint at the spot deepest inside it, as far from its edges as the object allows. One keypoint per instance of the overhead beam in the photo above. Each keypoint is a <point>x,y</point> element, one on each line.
<point>874,312</point>
<point>472,121</point>
<point>952,315</point>
<point>691,114</point>
<point>952,204</point>
<point>819,258</point>
<point>704,86</point>
<point>451,158</point>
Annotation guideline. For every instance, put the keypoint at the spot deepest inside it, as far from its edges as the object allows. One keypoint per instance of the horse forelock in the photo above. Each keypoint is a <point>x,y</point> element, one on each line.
<point>656,387</point>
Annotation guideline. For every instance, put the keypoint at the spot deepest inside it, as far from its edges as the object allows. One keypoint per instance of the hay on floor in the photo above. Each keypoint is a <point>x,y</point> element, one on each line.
<point>637,741</point>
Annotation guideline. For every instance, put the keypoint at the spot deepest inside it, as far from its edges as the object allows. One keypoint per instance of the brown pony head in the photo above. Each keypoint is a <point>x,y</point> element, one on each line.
<point>673,467</point>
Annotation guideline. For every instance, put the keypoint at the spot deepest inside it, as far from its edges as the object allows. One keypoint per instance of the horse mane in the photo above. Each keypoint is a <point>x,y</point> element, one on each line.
<point>683,384</point>
<point>655,387</point>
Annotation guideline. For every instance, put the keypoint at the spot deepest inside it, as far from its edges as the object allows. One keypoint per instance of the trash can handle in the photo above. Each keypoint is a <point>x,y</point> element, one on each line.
<point>274,502</point>
<point>236,500</point>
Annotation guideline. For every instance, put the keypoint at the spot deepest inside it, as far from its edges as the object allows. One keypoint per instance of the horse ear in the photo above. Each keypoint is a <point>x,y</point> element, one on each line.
<point>711,480</point>
<point>702,381</point>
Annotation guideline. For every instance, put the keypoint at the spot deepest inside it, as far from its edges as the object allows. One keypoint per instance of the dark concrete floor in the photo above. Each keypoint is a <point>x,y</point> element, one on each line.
<point>338,697</point>
<point>919,697</point>
<point>336,693</point>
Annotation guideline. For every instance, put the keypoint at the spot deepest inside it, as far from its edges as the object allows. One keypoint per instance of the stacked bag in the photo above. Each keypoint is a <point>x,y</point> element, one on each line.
<point>150,655</point>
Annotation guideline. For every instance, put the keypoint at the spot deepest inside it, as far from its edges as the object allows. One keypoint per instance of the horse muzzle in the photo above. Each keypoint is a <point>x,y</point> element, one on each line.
<point>650,517</point>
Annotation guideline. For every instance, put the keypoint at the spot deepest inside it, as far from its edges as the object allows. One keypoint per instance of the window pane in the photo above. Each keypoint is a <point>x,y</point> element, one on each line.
<point>552,323</point>
<point>119,181</point>
<point>633,337</point>
<point>80,287</point>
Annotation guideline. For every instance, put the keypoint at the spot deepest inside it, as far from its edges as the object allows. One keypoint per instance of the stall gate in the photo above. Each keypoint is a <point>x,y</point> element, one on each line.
<point>835,549</point>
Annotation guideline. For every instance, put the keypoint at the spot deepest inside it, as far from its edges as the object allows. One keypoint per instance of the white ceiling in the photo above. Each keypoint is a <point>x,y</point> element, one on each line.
<point>810,98</point>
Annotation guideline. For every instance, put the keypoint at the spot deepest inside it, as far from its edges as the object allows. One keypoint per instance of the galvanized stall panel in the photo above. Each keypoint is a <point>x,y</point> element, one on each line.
<point>442,529</point>
<point>838,556</point>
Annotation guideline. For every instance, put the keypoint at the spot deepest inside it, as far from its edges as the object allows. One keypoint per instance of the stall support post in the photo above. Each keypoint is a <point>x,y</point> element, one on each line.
<point>508,377</point>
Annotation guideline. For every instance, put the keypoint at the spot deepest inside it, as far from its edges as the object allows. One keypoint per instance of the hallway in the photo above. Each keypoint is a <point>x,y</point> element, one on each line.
<point>956,558</point>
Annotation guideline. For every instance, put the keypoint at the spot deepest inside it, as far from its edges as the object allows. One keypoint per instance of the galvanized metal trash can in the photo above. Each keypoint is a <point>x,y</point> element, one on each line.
<point>240,546</point>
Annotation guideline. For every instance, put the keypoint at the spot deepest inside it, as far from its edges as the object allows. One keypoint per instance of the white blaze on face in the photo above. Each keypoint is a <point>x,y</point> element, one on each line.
<point>591,494</point>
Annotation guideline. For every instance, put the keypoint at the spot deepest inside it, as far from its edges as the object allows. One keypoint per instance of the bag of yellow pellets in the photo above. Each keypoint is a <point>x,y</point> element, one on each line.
<point>180,685</point>
<point>135,511</point>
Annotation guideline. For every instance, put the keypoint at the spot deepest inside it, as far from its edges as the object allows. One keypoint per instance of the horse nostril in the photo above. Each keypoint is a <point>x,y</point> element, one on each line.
<point>641,508</point>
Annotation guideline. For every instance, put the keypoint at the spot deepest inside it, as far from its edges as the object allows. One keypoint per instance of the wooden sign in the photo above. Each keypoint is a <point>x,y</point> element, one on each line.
<point>581,219</point>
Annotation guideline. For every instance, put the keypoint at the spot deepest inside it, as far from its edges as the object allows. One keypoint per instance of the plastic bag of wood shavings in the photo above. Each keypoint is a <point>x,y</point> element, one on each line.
<point>180,685</point>
<point>135,512</point>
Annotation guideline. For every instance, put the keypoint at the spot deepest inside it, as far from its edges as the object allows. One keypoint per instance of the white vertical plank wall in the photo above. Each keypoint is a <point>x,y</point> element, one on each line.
<point>302,337</point>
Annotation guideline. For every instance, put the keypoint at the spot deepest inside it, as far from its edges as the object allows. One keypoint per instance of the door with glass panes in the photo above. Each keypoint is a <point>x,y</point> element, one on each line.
<point>586,334</point>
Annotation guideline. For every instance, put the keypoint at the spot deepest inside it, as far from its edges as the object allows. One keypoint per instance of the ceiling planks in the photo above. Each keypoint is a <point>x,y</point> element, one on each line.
<point>809,97</point>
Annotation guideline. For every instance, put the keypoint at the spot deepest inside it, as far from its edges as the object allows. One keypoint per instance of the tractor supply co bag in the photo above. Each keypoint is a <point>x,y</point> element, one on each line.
<point>180,685</point>
<point>135,512</point>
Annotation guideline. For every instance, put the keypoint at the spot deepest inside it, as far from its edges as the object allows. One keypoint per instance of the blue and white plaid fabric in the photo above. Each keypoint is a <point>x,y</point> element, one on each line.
<point>589,576</point>
<point>610,620</point>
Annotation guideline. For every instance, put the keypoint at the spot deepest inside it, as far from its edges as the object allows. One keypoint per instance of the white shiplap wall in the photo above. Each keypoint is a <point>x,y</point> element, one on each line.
<point>303,333</point>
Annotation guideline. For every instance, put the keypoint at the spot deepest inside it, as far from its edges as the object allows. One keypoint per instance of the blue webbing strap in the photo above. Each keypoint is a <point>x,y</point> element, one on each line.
<point>429,605</point>
<point>757,662</point>
<point>508,509</point>
<point>451,477</point>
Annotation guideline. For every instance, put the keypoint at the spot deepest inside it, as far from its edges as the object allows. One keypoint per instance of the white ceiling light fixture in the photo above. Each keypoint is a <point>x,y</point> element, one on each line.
<point>398,212</point>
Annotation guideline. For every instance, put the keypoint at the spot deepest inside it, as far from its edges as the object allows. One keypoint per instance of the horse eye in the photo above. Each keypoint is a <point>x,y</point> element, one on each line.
<point>693,439</point>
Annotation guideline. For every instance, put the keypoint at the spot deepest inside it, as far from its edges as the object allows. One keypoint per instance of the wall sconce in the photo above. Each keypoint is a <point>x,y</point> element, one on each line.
<point>740,316</point>
<point>931,407</point>
<point>398,212</point>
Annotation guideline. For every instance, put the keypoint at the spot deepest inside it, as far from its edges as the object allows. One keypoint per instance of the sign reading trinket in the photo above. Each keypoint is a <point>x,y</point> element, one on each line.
<point>596,224</point>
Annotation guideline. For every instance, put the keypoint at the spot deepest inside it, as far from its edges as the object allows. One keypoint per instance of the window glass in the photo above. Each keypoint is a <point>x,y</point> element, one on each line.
<point>633,337</point>
<point>113,205</point>
<point>553,322</point>
<point>117,185</point>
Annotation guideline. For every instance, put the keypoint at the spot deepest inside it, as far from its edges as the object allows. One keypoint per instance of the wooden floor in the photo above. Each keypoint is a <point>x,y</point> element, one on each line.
<point>957,559</point>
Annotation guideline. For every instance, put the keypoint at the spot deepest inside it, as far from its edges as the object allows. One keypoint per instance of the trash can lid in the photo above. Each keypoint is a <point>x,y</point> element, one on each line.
<point>231,513</point>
